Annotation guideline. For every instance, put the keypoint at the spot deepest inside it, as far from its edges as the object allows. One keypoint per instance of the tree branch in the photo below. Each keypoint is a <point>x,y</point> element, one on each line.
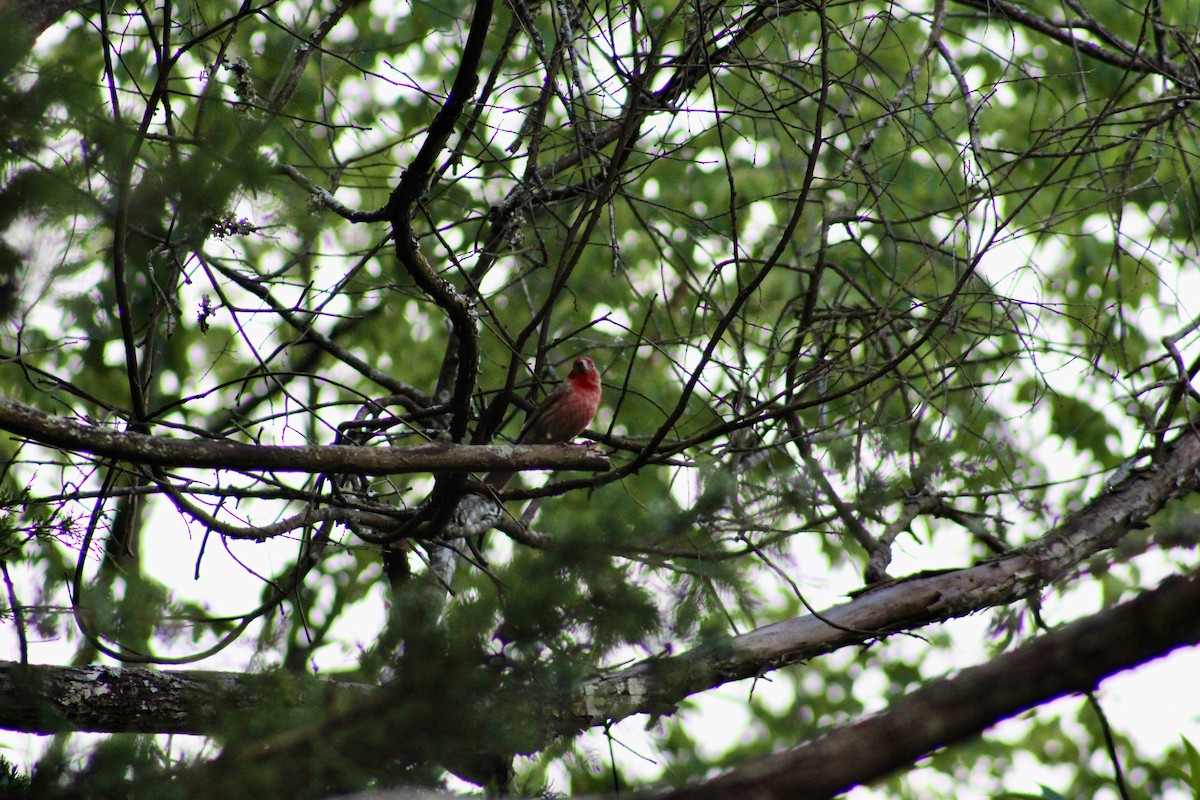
<point>48,699</point>
<point>1124,55</point>
<point>1074,658</point>
<point>403,201</point>
<point>654,685</point>
<point>165,451</point>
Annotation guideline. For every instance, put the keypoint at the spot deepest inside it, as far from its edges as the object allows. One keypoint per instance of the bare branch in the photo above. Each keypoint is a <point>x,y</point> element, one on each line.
<point>165,451</point>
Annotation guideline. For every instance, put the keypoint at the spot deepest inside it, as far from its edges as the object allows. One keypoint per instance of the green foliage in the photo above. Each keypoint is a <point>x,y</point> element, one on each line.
<point>13,784</point>
<point>1189,773</point>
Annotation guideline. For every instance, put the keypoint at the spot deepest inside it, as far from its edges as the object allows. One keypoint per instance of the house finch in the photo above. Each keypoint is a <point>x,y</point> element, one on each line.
<point>562,416</point>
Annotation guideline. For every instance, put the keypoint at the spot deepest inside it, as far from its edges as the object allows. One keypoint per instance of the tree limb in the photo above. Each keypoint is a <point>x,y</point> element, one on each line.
<point>50,699</point>
<point>165,451</point>
<point>1074,658</point>
<point>654,685</point>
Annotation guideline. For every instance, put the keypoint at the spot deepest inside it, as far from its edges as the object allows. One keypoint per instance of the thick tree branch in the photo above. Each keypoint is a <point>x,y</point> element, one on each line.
<point>165,451</point>
<point>403,202</point>
<point>654,685</point>
<point>33,17</point>
<point>1074,658</point>
<point>47,699</point>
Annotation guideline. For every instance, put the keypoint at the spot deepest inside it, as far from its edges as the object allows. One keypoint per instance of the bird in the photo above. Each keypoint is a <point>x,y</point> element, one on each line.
<point>561,416</point>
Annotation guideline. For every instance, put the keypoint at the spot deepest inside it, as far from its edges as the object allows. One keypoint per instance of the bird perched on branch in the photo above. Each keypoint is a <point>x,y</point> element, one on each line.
<point>560,417</point>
